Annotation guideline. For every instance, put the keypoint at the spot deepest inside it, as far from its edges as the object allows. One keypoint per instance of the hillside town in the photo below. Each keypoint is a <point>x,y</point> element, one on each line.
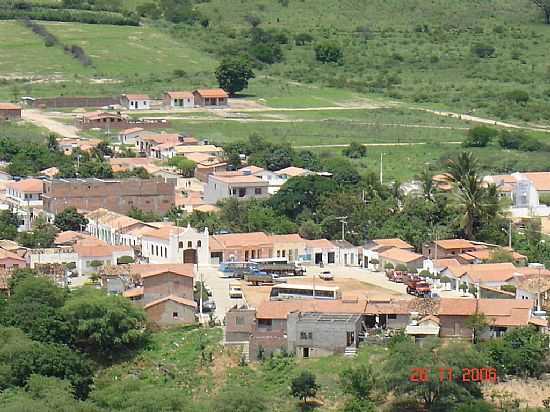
<point>308,205</point>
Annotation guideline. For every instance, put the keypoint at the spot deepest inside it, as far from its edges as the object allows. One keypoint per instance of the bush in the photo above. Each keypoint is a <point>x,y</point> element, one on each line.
<point>328,52</point>
<point>545,199</point>
<point>355,150</point>
<point>124,260</point>
<point>517,96</point>
<point>483,50</point>
<point>388,265</point>
<point>511,140</point>
<point>303,38</point>
<point>69,15</point>
<point>401,268</point>
<point>267,53</point>
<point>508,288</point>
<point>480,136</point>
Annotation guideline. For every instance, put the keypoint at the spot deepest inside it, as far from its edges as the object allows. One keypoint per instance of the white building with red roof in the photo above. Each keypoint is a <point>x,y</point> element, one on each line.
<point>135,101</point>
<point>180,99</point>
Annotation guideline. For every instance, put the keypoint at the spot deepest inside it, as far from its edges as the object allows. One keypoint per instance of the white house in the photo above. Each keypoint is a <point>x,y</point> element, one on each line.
<point>347,254</point>
<point>179,99</point>
<point>23,196</point>
<point>237,186</point>
<point>135,101</point>
<point>89,252</point>
<point>130,136</point>
<point>320,251</point>
<point>110,226</point>
<point>171,244</point>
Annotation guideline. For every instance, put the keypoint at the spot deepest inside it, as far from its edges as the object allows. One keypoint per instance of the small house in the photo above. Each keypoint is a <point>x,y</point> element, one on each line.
<point>9,111</point>
<point>401,257</point>
<point>179,99</point>
<point>135,101</point>
<point>210,97</point>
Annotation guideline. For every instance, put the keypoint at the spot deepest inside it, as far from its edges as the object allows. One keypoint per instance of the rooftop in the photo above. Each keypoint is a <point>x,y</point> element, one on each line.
<point>179,95</point>
<point>319,244</point>
<point>9,106</point>
<point>237,179</point>
<point>394,242</point>
<point>28,185</point>
<point>486,272</point>
<point>292,171</point>
<point>232,240</point>
<point>400,255</point>
<point>281,309</point>
<point>131,130</point>
<point>149,270</point>
<point>177,299</point>
<point>212,93</point>
<point>136,96</point>
<point>454,244</point>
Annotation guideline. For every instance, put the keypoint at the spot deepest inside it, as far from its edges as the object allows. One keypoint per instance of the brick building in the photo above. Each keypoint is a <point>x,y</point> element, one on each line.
<point>9,111</point>
<point>150,195</point>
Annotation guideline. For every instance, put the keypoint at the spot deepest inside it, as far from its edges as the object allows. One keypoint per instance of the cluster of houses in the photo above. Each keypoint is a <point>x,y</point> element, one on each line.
<point>178,99</point>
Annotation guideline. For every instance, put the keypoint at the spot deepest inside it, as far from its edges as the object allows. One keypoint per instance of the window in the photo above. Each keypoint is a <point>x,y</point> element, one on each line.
<point>310,335</point>
<point>278,253</point>
<point>180,245</point>
<point>284,252</point>
<point>165,251</point>
<point>239,320</point>
<point>242,191</point>
<point>189,244</point>
<point>258,191</point>
<point>266,323</point>
<point>303,335</point>
<point>152,249</point>
<point>199,243</point>
<point>392,316</point>
<point>174,315</point>
<point>156,250</point>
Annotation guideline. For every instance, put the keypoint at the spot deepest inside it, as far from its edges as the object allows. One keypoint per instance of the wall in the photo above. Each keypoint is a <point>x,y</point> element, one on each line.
<point>74,102</point>
<point>160,286</point>
<point>122,124</point>
<point>52,255</point>
<point>10,114</point>
<point>454,326</point>
<point>10,262</point>
<point>151,195</point>
<point>161,314</point>
<point>239,324</point>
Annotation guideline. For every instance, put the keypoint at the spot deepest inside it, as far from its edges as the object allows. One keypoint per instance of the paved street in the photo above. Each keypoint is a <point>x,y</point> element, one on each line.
<point>220,286</point>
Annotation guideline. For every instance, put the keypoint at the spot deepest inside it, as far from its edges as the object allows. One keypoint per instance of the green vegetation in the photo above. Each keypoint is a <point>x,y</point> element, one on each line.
<point>70,219</point>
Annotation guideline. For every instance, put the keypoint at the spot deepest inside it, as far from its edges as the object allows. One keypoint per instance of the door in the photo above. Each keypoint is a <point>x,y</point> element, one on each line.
<point>190,256</point>
<point>318,258</point>
<point>306,352</point>
<point>350,338</point>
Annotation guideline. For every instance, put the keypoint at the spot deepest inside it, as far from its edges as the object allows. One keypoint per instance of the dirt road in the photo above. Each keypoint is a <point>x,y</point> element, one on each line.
<point>370,145</point>
<point>44,119</point>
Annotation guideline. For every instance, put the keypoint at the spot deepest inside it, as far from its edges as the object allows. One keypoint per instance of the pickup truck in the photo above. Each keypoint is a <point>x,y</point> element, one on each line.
<point>417,287</point>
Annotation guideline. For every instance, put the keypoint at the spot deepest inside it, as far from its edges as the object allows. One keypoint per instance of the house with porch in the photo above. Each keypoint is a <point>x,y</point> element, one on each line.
<point>210,97</point>
<point>24,196</point>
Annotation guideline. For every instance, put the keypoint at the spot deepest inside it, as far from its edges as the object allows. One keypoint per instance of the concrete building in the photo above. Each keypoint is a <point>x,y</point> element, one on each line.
<point>447,248</point>
<point>314,334</point>
<point>347,254</point>
<point>9,111</point>
<point>135,101</point>
<point>179,99</point>
<point>10,260</point>
<point>210,97</point>
<point>291,246</point>
<point>90,252</point>
<point>129,136</point>
<point>320,251</point>
<point>240,247</point>
<point>110,226</point>
<point>149,195</point>
<point>240,186</point>
<point>24,197</point>
<point>170,244</point>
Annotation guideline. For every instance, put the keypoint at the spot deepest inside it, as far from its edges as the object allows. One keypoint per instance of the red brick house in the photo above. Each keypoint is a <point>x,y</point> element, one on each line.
<point>9,111</point>
<point>210,97</point>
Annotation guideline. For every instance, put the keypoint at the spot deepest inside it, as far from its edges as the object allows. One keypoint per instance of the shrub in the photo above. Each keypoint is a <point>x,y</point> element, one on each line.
<point>268,53</point>
<point>511,139</point>
<point>69,15</point>
<point>388,265</point>
<point>508,288</point>
<point>302,39</point>
<point>483,50</point>
<point>517,96</point>
<point>328,52</point>
<point>401,268</point>
<point>355,150</point>
<point>124,260</point>
<point>480,136</point>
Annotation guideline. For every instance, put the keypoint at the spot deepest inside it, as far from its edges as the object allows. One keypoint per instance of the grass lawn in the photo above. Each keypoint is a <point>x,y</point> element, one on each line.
<point>23,131</point>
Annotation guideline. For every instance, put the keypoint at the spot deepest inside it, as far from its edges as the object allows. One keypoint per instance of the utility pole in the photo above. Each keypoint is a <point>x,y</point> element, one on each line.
<point>381,167</point>
<point>510,235</point>
<point>344,223</point>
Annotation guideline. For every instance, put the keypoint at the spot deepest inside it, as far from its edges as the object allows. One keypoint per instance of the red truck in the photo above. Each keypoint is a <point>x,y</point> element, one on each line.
<point>416,286</point>
<point>396,276</point>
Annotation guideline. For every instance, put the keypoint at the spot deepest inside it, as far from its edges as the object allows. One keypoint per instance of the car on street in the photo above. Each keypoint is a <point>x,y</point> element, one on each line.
<point>326,275</point>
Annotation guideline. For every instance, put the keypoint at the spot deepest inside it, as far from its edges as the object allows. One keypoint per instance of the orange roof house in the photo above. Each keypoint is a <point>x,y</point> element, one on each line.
<point>210,97</point>
<point>27,186</point>
<point>404,257</point>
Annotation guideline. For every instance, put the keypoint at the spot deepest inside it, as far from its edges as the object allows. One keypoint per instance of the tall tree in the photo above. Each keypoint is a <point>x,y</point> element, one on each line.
<point>304,386</point>
<point>426,178</point>
<point>234,73</point>
<point>70,219</point>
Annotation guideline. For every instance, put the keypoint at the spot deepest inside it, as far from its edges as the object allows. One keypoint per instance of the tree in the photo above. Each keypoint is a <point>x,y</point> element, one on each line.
<point>9,222</point>
<point>150,10</point>
<point>483,50</point>
<point>500,255</point>
<point>480,136</point>
<point>144,216</point>
<point>23,357</point>
<point>355,150</point>
<point>103,325</point>
<point>479,323</point>
<point>185,166</point>
<point>42,235</point>
<point>34,306</point>
<point>544,6</point>
<point>426,178</point>
<point>474,202</point>
<point>359,381</point>
<point>436,394</point>
<point>304,386</point>
<point>267,53</point>
<point>53,145</point>
<point>343,171</point>
<point>124,260</point>
<point>103,149</point>
<point>302,39</point>
<point>328,52</point>
<point>302,193</point>
<point>233,74</point>
<point>70,219</point>
<point>521,351</point>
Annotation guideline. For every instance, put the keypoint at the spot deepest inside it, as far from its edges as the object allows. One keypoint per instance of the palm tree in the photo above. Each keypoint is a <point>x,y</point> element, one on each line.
<point>475,200</point>
<point>426,178</point>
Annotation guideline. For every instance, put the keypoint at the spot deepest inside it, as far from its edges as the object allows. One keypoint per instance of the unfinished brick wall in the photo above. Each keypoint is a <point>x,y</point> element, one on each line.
<point>151,195</point>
